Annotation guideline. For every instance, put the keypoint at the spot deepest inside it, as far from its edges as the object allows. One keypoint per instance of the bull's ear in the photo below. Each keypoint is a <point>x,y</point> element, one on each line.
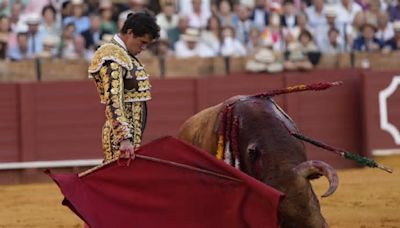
<point>253,152</point>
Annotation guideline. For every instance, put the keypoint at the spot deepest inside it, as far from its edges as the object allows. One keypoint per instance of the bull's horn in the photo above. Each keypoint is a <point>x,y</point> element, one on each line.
<point>314,169</point>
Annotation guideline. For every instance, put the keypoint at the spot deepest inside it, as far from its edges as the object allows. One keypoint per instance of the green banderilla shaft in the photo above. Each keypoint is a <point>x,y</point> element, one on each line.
<point>346,154</point>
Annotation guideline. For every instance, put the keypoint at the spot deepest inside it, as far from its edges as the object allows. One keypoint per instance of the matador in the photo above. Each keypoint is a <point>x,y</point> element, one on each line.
<point>123,84</point>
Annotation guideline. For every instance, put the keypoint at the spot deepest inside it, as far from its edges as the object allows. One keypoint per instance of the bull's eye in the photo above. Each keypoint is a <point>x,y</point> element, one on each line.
<point>254,154</point>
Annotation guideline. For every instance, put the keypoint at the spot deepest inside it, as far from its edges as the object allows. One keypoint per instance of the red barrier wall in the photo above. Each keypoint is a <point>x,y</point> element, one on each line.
<point>63,120</point>
<point>60,121</point>
<point>173,102</point>
<point>212,91</point>
<point>331,116</point>
<point>9,123</point>
<point>376,138</point>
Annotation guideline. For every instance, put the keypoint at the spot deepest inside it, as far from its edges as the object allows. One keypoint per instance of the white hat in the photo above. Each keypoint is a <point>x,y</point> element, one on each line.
<point>248,3</point>
<point>105,38</point>
<point>330,11</point>
<point>396,26</point>
<point>50,40</point>
<point>255,66</point>
<point>191,34</point>
<point>77,2</point>
<point>33,19</point>
<point>264,55</point>
<point>21,28</point>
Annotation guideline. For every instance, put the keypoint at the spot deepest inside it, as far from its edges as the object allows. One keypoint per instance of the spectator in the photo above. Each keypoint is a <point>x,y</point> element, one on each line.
<point>297,56</point>
<point>50,26</point>
<point>16,10</point>
<point>231,46</point>
<point>4,7</point>
<point>316,16</point>
<point>372,12</point>
<point>49,47</point>
<point>394,11</point>
<point>212,35</point>
<point>168,19</point>
<point>163,49</point>
<point>306,42</point>
<point>225,14</point>
<point>189,45</point>
<point>174,33</point>
<point>260,14</point>
<point>321,33</point>
<point>198,17</point>
<point>346,11</point>
<point>4,35</point>
<point>255,41</point>
<point>355,30</point>
<point>186,6</point>
<point>367,40</point>
<point>242,23</point>
<point>19,51</point>
<point>394,43</point>
<point>93,35</point>
<point>80,21</point>
<point>92,6</point>
<point>66,9</point>
<point>71,45</point>
<point>316,21</point>
<point>385,29</point>
<point>334,45</point>
<point>288,19</point>
<point>106,13</point>
<point>272,34</point>
<point>134,7</point>
<point>35,37</point>
<point>155,5</point>
<point>291,34</point>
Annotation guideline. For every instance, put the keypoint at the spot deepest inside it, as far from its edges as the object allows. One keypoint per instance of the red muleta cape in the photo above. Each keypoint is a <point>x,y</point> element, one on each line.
<point>150,194</point>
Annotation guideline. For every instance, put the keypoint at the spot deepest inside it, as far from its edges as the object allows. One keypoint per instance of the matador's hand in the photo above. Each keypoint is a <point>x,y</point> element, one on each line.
<point>126,148</point>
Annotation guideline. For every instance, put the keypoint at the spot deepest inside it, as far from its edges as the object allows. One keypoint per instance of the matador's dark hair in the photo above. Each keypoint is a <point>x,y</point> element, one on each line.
<point>141,24</point>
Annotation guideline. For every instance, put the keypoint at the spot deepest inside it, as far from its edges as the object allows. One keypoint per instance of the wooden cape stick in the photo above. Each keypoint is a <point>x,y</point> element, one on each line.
<point>158,160</point>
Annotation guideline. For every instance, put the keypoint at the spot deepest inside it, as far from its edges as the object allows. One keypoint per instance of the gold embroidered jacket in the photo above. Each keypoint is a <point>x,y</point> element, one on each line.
<point>124,87</point>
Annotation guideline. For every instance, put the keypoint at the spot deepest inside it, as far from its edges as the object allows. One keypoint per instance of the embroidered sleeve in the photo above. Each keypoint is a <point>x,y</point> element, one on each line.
<point>113,84</point>
<point>137,123</point>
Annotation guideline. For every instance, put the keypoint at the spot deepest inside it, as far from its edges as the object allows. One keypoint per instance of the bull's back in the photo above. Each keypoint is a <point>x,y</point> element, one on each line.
<point>199,130</point>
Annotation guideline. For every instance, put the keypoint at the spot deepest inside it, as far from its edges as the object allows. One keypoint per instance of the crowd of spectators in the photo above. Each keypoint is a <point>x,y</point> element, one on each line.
<point>203,28</point>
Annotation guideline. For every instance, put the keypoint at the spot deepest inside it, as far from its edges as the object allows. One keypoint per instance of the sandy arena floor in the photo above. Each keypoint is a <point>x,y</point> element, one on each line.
<point>366,198</point>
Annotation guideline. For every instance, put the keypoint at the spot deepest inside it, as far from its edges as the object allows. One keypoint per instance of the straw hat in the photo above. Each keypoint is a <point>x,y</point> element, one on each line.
<point>255,66</point>
<point>264,55</point>
<point>330,11</point>
<point>21,28</point>
<point>50,40</point>
<point>77,2</point>
<point>191,35</point>
<point>106,38</point>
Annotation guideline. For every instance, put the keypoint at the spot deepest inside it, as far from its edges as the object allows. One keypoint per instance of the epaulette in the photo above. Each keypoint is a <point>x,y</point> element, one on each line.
<point>110,52</point>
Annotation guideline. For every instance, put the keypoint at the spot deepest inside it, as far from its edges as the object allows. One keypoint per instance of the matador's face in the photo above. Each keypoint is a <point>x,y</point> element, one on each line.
<point>137,44</point>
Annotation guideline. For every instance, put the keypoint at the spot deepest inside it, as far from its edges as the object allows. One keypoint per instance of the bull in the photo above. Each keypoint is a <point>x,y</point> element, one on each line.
<point>255,133</point>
